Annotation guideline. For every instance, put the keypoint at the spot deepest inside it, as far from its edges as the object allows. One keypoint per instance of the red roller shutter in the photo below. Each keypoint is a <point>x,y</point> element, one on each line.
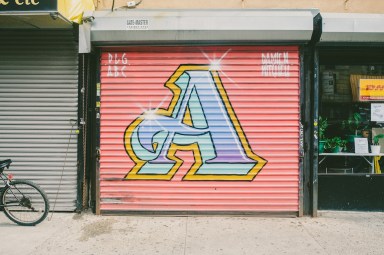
<point>211,128</point>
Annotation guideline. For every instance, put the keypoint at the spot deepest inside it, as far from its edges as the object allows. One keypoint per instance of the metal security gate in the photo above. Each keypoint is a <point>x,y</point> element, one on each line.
<point>199,129</point>
<point>38,110</point>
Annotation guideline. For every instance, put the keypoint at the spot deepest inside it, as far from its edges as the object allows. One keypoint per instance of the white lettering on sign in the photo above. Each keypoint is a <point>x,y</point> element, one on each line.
<point>21,2</point>
<point>117,65</point>
<point>137,24</point>
<point>27,2</point>
<point>275,64</point>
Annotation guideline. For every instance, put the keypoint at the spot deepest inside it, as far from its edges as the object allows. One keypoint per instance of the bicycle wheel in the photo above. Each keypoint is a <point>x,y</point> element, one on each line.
<point>25,203</point>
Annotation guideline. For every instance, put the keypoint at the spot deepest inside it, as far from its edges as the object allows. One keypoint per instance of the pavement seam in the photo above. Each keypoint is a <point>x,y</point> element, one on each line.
<point>186,235</point>
<point>313,237</point>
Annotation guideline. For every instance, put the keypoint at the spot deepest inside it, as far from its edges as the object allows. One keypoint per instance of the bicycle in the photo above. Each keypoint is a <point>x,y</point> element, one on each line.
<point>22,201</point>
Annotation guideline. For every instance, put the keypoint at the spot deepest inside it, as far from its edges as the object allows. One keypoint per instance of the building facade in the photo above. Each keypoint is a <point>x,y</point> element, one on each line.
<point>158,151</point>
<point>174,107</point>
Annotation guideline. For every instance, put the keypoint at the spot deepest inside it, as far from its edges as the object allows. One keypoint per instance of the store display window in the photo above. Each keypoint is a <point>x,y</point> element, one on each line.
<point>351,119</point>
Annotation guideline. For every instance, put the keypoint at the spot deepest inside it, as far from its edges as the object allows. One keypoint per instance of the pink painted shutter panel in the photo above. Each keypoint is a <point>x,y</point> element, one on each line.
<point>257,89</point>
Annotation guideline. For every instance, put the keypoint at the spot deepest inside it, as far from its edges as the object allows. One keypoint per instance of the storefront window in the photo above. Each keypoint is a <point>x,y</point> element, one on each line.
<point>351,121</point>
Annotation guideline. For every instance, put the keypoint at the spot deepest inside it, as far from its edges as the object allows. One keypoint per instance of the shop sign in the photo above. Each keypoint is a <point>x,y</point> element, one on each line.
<point>138,24</point>
<point>27,5</point>
<point>371,90</point>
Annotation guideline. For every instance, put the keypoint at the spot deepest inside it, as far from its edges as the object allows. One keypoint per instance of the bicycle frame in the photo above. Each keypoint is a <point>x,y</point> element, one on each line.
<point>7,181</point>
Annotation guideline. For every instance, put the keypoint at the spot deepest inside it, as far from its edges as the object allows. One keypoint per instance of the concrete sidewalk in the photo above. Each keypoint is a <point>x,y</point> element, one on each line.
<point>331,233</point>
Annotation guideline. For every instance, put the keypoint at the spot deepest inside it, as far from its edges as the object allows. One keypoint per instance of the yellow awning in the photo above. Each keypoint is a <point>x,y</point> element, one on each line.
<point>73,9</point>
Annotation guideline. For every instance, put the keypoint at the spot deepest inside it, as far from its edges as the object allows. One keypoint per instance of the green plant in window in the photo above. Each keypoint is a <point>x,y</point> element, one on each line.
<point>352,124</point>
<point>334,143</point>
<point>376,138</point>
<point>323,125</point>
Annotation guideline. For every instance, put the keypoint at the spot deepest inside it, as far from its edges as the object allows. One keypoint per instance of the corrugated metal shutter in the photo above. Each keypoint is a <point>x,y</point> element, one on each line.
<point>38,100</point>
<point>219,113</point>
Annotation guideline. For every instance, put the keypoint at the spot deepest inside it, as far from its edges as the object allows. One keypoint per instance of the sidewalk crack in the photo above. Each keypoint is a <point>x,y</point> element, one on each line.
<point>313,237</point>
<point>186,234</point>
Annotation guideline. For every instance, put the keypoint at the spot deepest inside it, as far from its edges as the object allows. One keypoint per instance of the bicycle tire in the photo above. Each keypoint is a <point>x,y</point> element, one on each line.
<point>24,198</point>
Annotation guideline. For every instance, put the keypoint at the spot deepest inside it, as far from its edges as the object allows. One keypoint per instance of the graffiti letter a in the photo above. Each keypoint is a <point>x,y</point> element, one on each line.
<point>212,132</point>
